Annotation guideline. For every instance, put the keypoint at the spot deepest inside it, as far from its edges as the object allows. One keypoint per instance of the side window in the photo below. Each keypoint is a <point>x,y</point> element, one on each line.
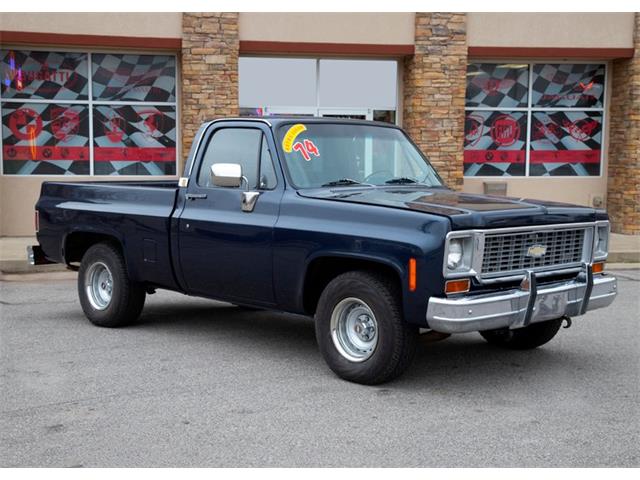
<point>268,178</point>
<point>232,145</point>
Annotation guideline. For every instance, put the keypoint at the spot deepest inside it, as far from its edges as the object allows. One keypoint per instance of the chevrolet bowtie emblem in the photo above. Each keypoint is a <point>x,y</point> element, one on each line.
<point>536,251</point>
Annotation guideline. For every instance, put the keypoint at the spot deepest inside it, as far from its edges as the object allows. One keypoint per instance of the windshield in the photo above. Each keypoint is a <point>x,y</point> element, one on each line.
<point>336,154</point>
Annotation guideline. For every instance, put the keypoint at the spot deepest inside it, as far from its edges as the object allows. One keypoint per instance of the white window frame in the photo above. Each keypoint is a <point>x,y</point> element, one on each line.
<point>90,103</point>
<point>529,109</point>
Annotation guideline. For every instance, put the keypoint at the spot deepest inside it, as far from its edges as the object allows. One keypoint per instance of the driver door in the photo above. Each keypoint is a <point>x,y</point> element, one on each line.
<point>225,252</point>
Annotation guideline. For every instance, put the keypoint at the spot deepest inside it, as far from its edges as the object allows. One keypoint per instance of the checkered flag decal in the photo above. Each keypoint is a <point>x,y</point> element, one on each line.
<point>566,143</point>
<point>45,139</point>
<point>568,85</point>
<point>44,75</point>
<point>134,140</point>
<point>495,143</point>
<point>143,78</point>
<point>492,85</point>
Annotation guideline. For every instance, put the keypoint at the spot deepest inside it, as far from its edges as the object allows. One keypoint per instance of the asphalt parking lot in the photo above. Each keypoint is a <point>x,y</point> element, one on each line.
<point>201,383</point>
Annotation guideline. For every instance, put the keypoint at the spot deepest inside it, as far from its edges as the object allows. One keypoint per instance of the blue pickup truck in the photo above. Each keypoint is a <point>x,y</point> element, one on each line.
<point>342,220</point>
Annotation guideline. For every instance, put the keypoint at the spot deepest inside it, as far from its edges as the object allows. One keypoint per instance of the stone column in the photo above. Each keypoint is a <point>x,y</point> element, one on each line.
<point>434,91</point>
<point>623,189</point>
<point>210,48</point>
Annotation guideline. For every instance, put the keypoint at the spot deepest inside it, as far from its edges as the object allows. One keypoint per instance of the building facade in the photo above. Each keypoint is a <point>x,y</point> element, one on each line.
<point>528,105</point>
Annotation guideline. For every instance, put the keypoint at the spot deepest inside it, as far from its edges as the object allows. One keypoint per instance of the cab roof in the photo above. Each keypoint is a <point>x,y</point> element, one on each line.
<point>276,121</point>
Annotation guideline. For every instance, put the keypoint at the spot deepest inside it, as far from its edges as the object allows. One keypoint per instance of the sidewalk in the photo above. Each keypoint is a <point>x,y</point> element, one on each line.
<point>624,249</point>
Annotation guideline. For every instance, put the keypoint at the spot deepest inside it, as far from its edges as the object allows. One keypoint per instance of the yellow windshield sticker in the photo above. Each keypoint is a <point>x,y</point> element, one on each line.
<point>290,136</point>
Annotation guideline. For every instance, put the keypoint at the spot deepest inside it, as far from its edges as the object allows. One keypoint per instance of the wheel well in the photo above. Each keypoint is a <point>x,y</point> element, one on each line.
<point>322,270</point>
<point>77,244</point>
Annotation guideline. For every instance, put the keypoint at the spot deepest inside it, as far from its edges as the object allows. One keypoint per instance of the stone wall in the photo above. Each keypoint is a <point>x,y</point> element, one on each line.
<point>210,48</point>
<point>434,91</point>
<point>623,196</point>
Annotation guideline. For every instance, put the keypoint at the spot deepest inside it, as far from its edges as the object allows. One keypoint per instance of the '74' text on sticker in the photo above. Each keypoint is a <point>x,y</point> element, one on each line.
<point>307,149</point>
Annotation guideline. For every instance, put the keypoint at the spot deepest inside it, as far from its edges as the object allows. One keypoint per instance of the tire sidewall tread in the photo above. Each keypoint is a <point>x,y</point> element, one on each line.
<point>532,336</point>
<point>127,298</point>
<point>396,339</point>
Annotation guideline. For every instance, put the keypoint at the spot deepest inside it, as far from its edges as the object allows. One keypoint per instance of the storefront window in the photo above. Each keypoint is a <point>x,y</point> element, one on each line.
<point>337,88</point>
<point>565,143</point>
<point>568,85</point>
<point>39,75</point>
<point>45,139</point>
<point>497,86</point>
<point>49,103</point>
<point>553,127</point>
<point>495,142</point>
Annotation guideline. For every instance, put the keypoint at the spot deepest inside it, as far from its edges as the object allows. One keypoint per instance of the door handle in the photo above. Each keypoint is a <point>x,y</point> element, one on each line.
<point>193,196</point>
<point>249,200</point>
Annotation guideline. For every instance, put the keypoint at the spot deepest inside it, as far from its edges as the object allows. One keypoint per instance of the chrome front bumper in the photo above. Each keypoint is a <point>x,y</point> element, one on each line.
<point>517,308</point>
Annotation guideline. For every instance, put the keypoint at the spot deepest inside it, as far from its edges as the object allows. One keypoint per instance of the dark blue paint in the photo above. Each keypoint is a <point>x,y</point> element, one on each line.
<point>261,258</point>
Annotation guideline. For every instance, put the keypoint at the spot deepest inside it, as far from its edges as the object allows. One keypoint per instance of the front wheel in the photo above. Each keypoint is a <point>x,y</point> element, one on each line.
<point>107,295</point>
<point>360,330</point>
<point>532,336</point>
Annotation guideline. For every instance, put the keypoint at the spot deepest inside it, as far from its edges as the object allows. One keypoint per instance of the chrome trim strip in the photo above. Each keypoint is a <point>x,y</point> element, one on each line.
<point>530,228</point>
<point>539,273</point>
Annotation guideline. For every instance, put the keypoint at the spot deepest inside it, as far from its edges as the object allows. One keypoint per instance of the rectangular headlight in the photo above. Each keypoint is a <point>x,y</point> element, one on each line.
<point>458,255</point>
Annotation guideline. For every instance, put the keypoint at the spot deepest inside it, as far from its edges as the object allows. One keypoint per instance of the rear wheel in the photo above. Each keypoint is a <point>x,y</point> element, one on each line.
<point>533,336</point>
<point>107,295</point>
<point>360,330</point>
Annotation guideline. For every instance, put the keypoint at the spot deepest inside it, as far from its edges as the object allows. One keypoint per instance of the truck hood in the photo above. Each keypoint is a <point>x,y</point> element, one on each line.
<point>463,209</point>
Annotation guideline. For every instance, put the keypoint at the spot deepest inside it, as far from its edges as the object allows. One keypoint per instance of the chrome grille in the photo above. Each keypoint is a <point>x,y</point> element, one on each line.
<point>507,252</point>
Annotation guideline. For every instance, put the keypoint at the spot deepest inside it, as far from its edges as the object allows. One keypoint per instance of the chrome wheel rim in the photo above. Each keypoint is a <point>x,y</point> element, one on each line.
<point>354,329</point>
<point>99,286</point>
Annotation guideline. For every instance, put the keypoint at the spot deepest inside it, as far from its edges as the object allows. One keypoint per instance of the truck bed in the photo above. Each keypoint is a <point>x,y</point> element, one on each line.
<point>137,214</point>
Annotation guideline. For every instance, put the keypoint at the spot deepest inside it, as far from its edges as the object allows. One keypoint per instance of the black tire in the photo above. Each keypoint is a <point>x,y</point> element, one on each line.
<point>396,339</point>
<point>126,297</point>
<point>525,338</point>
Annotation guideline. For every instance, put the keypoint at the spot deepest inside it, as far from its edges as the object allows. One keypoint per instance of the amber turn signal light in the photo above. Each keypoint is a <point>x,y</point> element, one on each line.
<point>457,286</point>
<point>412,275</point>
<point>598,267</point>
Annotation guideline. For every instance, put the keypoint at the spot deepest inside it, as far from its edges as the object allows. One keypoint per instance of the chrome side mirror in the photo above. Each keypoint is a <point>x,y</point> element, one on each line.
<point>226,175</point>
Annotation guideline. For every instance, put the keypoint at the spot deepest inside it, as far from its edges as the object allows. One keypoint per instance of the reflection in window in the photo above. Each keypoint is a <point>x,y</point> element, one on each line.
<point>134,140</point>
<point>387,116</point>
<point>494,143</point>
<point>566,143</point>
<point>232,145</point>
<point>568,85</point>
<point>44,75</point>
<point>564,137</point>
<point>142,78</point>
<point>497,85</point>
<point>45,139</point>
<point>47,110</point>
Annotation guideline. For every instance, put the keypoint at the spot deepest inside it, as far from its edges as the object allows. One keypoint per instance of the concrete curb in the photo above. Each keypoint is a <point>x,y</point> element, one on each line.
<point>22,266</point>
<point>623,257</point>
<point>38,276</point>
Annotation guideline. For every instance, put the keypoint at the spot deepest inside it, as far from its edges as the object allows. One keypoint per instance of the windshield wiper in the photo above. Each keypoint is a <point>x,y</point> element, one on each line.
<point>342,181</point>
<point>400,181</point>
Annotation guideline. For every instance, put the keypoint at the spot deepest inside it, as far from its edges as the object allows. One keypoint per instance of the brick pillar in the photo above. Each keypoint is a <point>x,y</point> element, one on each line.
<point>434,91</point>
<point>210,48</point>
<point>623,189</point>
